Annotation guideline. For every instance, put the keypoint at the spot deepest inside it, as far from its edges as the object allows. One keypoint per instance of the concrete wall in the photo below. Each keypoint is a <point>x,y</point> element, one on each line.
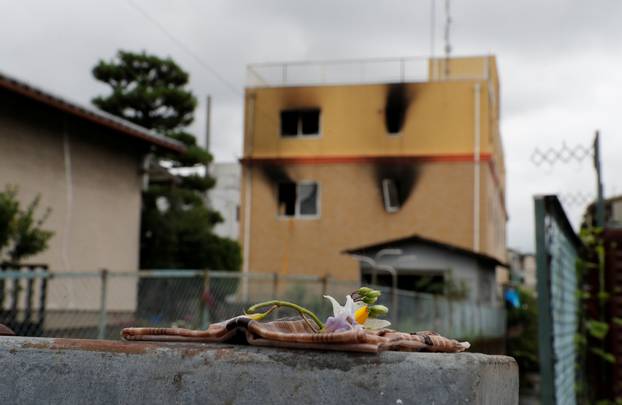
<point>90,178</point>
<point>62,371</point>
<point>225,198</point>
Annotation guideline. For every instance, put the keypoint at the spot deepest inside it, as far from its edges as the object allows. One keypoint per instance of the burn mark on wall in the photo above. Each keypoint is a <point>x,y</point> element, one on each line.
<point>403,174</point>
<point>275,174</point>
<point>396,106</point>
<point>285,195</point>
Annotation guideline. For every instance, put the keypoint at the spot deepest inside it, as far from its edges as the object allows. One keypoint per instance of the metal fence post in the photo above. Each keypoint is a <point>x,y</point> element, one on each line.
<point>102,305</point>
<point>275,284</point>
<point>324,281</point>
<point>545,320</point>
<point>204,315</point>
<point>394,301</point>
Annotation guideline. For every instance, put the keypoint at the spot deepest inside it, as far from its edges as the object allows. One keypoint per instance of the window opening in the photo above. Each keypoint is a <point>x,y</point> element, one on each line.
<point>300,122</point>
<point>390,195</point>
<point>298,199</point>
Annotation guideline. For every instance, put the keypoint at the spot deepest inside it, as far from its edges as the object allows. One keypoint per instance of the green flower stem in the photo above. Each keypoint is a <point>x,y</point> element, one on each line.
<point>279,303</point>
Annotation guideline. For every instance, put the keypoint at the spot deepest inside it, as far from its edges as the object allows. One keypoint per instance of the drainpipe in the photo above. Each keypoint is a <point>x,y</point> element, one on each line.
<point>248,199</point>
<point>476,168</point>
<point>146,167</point>
<point>68,196</point>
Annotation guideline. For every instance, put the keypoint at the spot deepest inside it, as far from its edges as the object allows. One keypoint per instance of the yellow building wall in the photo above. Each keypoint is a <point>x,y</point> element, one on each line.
<point>352,214</point>
<point>438,135</point>
<point>439,120</point>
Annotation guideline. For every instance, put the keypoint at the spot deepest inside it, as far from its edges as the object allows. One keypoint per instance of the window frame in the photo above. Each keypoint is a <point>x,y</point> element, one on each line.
<point>386,200</point>
<point>299,134</point>
<point>297,214</point>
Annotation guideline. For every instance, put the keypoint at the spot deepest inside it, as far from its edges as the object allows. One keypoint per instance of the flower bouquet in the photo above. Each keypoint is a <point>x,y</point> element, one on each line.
<point>354,326</point>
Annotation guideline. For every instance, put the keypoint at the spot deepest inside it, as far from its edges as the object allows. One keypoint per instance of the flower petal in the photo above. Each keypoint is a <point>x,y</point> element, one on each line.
<point>337,308</point>
<point>358,305</point>
<point>349,307</point>
<point>373,323</point>
<point>334,324</point>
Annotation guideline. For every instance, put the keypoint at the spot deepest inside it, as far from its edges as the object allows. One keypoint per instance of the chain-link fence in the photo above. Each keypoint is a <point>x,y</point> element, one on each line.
<point>99,304</point>
<point>557,250</point>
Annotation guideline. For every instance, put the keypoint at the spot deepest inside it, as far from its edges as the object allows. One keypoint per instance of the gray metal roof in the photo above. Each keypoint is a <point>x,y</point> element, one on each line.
<point>420,239</point>
<point>88,113</point>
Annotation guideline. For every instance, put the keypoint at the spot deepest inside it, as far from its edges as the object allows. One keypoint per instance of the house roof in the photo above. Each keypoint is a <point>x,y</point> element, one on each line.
<point>430,242</point>
<point>90,114</point>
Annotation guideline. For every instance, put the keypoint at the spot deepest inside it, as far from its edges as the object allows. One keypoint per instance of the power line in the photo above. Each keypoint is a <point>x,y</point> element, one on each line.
<point>185,48</point>
<point>196,57</point>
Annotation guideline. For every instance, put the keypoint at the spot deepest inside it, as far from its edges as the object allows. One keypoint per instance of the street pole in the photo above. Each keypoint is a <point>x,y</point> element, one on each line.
<point>600,203</point>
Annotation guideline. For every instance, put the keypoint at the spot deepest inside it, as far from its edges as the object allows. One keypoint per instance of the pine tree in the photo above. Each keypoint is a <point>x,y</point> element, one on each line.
<point>177,225</point>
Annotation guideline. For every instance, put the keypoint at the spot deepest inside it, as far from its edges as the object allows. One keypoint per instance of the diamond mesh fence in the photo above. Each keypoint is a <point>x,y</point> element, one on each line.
<point>35,302</point>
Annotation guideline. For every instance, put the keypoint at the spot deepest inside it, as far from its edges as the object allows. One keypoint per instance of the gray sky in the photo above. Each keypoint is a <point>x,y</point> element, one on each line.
<point>560,64</point>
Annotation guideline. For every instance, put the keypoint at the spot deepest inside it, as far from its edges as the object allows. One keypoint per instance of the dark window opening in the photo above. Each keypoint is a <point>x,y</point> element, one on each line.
<point>298,199</point>
<point>300,122</point>
<point>423,283</point>
<point>390,195</point>
<point>310,120</point>
<point>289,123</point>
<point>287,199</point>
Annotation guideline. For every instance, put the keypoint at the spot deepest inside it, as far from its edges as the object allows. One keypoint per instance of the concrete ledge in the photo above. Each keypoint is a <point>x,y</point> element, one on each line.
<point>71,371</point>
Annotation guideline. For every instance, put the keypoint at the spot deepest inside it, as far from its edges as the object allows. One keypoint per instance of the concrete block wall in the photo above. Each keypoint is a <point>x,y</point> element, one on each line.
<point>68,371</point>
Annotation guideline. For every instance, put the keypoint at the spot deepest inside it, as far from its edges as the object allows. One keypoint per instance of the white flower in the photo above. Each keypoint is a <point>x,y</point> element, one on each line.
<point>352,315</point>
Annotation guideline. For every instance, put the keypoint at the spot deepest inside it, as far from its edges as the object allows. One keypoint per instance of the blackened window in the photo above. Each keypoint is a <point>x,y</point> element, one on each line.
<point>287,199</point>
<point>298,199</point>
<point>289,123</point>
<point>304,122</point>
<point>310,122</point>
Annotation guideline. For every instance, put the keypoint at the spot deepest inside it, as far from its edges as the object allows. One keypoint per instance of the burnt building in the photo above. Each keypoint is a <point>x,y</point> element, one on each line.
<point>394,148</point>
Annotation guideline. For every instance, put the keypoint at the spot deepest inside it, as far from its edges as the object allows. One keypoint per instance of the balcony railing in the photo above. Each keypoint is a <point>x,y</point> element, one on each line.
<point>354,71</point>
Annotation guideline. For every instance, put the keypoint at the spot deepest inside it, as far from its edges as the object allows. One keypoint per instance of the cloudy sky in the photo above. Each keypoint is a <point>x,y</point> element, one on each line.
<point>560,64</point>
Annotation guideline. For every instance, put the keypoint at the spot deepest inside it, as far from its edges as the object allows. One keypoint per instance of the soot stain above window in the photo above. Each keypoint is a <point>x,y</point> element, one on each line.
<point>403,175</point>
<point>396,106</point>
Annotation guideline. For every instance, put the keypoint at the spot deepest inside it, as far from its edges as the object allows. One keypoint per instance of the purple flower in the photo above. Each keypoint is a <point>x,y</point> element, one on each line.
<point>335,324</point>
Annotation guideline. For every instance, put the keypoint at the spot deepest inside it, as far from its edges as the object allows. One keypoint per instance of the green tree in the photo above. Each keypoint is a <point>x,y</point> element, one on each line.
<point>177,225</point>
<point>21,235</point>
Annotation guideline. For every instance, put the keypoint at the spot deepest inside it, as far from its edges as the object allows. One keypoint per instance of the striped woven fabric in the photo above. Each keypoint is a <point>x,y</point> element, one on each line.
<point>298,334</point>
<point>6,331</point>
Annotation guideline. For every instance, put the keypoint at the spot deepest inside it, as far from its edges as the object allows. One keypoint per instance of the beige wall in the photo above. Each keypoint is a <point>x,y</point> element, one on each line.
<point>352,214</point>
<point>95,203</point>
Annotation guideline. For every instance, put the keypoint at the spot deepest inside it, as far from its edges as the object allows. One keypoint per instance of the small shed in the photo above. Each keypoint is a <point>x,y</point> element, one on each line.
<point>428,266</point>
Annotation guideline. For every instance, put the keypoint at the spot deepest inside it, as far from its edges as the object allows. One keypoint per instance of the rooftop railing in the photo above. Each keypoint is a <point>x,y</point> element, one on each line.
<point>352,71</point>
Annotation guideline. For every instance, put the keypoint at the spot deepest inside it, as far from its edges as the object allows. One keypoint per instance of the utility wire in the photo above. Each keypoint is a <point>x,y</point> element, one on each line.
<point>185,48</point>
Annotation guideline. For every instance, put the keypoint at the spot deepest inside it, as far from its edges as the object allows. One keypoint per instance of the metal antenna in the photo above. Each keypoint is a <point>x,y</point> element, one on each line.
<point>447,41</point>
<point>432,28</point>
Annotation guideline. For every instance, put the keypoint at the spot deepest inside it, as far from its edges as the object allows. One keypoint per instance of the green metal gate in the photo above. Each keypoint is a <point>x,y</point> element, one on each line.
<point>557,249</point>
